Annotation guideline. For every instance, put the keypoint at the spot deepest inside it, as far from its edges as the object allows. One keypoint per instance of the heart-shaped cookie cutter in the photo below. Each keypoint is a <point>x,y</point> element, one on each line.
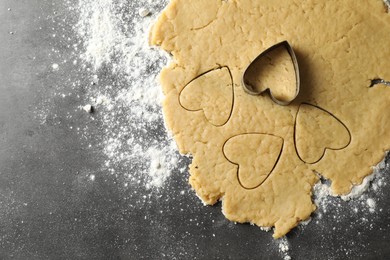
<point>248,88</point>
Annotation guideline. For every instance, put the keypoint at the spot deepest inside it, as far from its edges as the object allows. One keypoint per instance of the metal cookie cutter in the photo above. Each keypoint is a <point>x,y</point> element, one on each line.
<point>248,88</point>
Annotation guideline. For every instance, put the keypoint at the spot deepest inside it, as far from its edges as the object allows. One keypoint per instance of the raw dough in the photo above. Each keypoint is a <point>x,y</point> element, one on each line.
<point>315,131</point>
<point>340,45</point>
<point>255,155</point>
<point>211,93</point>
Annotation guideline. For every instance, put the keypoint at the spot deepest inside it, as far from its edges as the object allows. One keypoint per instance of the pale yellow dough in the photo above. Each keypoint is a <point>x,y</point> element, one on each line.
<point>256,156</point>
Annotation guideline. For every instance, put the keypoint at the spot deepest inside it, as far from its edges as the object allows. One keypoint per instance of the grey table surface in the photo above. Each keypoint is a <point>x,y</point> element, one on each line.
<point>49,211</point>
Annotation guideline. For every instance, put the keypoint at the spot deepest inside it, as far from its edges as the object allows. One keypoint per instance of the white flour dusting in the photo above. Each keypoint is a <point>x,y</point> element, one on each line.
<point>55,66</point>
<point>284,248</point>
<point>321,193</point>
<point>371,204</point>
<point>160,165</point>
<point>124,91</point>
<point>357,200</point>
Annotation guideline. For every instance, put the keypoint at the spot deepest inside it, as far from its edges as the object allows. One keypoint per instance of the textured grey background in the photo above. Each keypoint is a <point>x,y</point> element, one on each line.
<point>49,211</point>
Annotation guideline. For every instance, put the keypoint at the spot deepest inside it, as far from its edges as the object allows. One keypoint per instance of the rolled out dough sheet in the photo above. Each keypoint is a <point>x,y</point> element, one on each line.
<point>262,159</point>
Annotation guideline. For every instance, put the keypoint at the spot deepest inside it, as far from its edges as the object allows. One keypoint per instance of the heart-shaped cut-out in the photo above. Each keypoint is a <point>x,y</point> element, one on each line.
<point>256,155</point>
<point>275,70</point>
<point>211,92</point>
<point>317,130</point>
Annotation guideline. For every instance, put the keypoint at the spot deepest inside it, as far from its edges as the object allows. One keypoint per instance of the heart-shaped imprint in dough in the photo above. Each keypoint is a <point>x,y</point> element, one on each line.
<point>317,130</point>
<point>276,70</point>
<point>211,92</point>
<point>255,155</point>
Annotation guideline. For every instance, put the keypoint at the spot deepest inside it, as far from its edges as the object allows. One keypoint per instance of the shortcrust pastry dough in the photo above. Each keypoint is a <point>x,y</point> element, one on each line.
<point>337,127</point>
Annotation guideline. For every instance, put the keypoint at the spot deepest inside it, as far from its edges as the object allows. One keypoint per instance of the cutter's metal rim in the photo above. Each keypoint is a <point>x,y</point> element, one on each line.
<point>249,89</point>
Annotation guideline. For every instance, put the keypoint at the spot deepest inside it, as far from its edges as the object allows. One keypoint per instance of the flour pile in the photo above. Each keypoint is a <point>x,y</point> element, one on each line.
<point>124,91</point>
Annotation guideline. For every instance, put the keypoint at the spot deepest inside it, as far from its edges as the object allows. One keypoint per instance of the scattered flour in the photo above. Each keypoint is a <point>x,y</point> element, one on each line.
<point>360,210</point>
<point>266,229</point>
<point>284,248</point>
<point>123,89</point>
<point>55,66</point>
<point>160,166</point>
<point>306,222</point>
<point>357,200</point>
<point>371,204</point>
<point>321,193</point>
